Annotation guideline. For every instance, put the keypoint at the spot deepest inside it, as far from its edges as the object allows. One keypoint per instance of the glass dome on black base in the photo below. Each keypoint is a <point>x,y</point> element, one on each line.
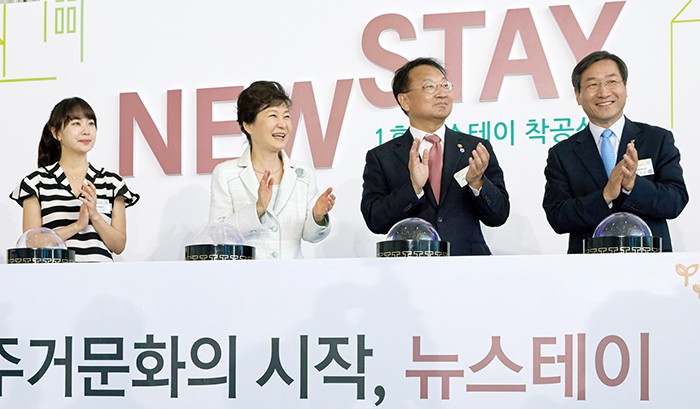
<point>622,233</point>
<point>40,245</point>
<point>218,241</point>
<point>413,237</point>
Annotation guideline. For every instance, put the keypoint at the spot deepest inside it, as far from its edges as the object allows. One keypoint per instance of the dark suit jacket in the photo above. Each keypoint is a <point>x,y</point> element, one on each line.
<point>388,197</point>
<point>573,196</point>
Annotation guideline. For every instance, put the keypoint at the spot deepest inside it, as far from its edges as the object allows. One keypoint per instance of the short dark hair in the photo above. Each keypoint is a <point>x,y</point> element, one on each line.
<point>64,112</point>
<point>259,96</point>
<point>592,58</point>
<point>400,84</point>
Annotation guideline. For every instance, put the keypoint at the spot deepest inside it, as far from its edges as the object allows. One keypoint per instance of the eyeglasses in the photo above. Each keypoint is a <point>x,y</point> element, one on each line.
<point>432,88</point>
<point>608,84</point>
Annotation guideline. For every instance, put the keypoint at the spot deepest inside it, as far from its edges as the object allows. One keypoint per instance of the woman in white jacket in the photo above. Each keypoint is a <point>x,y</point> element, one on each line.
<point>272,200</point>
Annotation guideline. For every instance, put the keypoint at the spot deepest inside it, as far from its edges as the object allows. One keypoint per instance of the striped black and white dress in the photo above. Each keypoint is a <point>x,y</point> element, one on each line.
<point>60,207</point>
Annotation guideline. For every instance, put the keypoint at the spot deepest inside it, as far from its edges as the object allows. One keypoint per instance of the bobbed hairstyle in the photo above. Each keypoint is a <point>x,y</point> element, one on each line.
<point>64,112</point>
<point>592,58</point>
<point>259,96</point>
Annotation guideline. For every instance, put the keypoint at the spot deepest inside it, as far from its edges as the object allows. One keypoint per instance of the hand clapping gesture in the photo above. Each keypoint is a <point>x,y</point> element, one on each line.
<point>264,193</point>
<point>629,163</point>
<point>477,166</point>
<point>623,174</point>
<point>323,205</point>
<point>88,210</point>
<point>418,169</point>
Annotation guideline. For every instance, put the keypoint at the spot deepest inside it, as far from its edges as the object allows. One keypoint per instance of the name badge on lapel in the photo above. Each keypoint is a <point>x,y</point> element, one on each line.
<point>461,176</point>
<point>645,167</point>
<point>103,206</point>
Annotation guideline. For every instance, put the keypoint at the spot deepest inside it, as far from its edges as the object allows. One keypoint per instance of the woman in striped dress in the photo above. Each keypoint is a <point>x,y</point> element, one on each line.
<point>82,203</point>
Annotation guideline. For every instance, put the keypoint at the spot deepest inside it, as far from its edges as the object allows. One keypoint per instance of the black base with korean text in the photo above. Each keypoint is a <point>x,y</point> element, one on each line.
<point>200,252</point>
<point>35,256</point>
<point>622,244</point>
<point>413,248</point>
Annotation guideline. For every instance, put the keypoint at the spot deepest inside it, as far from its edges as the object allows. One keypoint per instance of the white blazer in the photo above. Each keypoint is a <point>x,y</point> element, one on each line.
<point>278,233</point>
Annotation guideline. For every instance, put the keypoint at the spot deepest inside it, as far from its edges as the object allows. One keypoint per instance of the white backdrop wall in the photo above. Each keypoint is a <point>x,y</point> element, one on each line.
<point>168,57</point>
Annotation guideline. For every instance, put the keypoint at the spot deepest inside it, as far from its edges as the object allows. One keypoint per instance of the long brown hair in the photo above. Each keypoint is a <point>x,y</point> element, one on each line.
<point>64,112</point>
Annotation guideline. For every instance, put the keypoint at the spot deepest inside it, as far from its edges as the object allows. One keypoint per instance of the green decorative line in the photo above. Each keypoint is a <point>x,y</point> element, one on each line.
<point>58,21</point>
<point>82,28</point>
<point>4,38</point>
<point>29,79</point>
<point>45,19</point>
<point>674,21</point>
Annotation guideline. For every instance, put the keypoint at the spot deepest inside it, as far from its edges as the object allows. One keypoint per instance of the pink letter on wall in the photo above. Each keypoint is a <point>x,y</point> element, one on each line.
<point>578,43</point>
<point>536,65</point>
<point>207,128</point>
<point>304,103</point>
<point>624,360</point>
<point>453,23</point>
<point>133,112</point>
<point>385,59</point>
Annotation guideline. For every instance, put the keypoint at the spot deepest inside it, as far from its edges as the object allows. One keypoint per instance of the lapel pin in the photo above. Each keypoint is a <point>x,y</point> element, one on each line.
<point>459,146</point>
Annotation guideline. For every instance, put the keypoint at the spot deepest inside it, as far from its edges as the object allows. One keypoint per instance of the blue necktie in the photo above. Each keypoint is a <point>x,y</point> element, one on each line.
<point>606,151</point>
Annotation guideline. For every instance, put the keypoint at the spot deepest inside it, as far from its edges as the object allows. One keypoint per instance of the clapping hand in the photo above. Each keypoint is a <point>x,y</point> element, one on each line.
<point>418,169</point>
<point>323,205</point>
<point>264,193</point>
<point>622,175</point>
<point>478,163</point>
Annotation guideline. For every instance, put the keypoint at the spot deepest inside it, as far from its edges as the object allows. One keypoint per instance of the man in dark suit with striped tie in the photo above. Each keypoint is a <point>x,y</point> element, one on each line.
<point>424,173</point>
<point>614,164</point>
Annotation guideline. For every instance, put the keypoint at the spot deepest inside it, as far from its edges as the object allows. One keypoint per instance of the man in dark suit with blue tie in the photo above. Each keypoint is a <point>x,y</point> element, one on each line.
<point>614,164</point>
<point>456,199</point>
